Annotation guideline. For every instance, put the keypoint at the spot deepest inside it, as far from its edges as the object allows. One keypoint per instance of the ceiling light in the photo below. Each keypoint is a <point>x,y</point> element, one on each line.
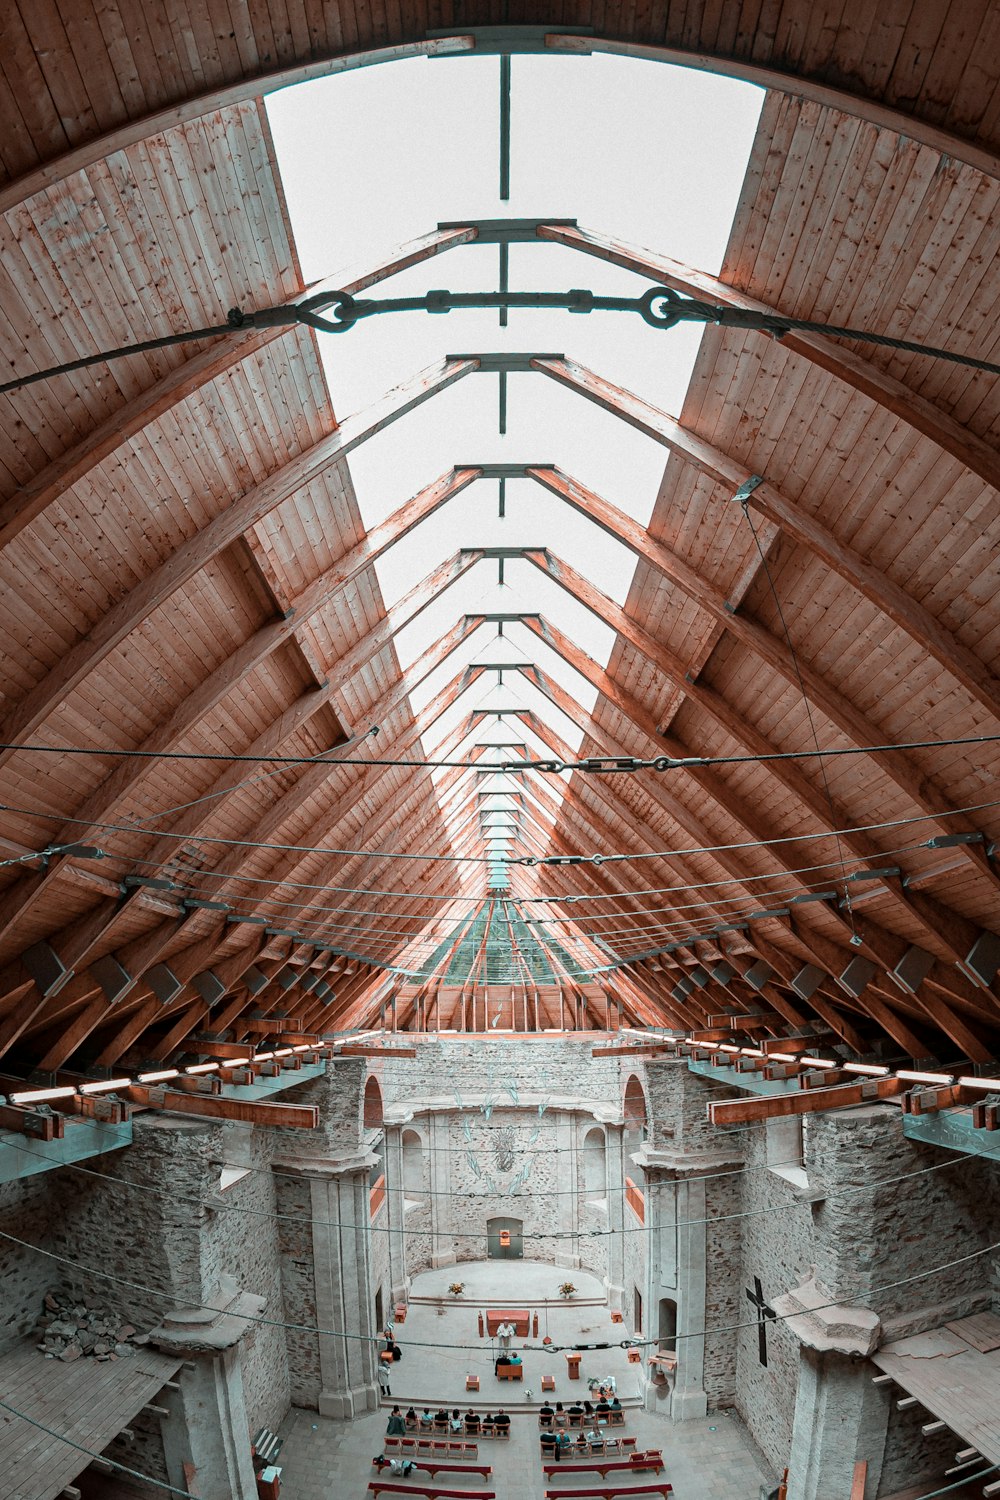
<point>104,1086</point>
<point>989,1084</point>
<point>202,1068</point>
<point>819,1062</point>
<point>869,1068</point>
<point>36,1096</point>
<point>159,1077</point>
<point>783,1057</point>
<point>925,1077</point>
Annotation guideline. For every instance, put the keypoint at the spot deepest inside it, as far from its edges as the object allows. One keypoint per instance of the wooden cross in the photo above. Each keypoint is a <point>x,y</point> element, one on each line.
<point>763,1313</point>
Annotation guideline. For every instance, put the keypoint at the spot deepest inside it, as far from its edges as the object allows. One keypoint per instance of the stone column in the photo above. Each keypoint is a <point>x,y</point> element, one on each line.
<point>566,1204</point>
<point>614,1137</point>
<point>676,1213</point>
<point>339,1197</point>
<point>206,1439</point>
<point>399,1281</point>
<point>840,1416</point>
<point>442,1220</point>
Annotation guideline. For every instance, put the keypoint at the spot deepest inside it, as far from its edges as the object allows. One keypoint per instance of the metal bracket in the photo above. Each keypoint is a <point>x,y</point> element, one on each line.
<point>747,488</point>
<point>506,231</point>
<point>504,364</point>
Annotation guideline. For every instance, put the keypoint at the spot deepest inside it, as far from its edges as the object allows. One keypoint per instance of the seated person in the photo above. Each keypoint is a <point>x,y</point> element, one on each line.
<point>488,1425</point>
<point>501,1421</point>
<point>603,1407</point>
<point>426,1420</point>
<point>545,1410</point>
<point>515,1359</point>
<point>472,1421</point>
<point>411,1417</point>
<point>457,1424</point>
<point>563,1443</point>
<point>560,1417</point>
<point>441,1415</point>
<point>502,1359</point>
<point>548,1442</point>
<point>588,1408</point>
<point>582,1443</point>
<point>576,1410</point>
<point>615,1404</point>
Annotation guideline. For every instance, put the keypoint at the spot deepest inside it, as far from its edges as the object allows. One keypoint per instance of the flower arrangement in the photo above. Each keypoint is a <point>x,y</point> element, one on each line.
<point>566,1289</point>
<point>457,1288</point>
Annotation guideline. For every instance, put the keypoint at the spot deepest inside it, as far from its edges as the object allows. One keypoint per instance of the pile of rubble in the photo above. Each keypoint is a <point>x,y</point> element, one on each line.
<point>69,1330</point>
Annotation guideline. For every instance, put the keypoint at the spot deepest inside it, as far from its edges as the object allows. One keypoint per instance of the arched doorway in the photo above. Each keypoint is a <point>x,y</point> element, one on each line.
<point>505,1239</point>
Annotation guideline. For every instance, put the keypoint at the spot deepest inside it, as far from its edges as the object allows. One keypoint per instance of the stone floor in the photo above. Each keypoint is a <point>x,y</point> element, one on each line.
<point>710,1459</point>
<point>436,1320</point>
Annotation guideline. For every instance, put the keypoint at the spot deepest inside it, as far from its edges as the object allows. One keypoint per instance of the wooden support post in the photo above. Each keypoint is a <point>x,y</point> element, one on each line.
<point>858,1482</point>
<point>44,1127</point>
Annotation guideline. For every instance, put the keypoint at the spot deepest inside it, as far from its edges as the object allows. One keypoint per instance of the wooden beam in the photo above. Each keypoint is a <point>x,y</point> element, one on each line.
<point>258,502</point>
<point>215,1107</point>
<point>893,601</point>
<point>179,384</point>
<point>366,1049</point>
<point>804,1101</point>
<point>860,1479</point>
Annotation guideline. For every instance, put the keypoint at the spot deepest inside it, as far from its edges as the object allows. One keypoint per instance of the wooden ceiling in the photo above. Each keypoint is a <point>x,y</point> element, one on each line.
<point>185,572</point>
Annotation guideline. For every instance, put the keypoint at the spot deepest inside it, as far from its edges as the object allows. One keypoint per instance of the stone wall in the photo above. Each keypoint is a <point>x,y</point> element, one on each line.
<point>778,1248</point>
<point>28,1210</point>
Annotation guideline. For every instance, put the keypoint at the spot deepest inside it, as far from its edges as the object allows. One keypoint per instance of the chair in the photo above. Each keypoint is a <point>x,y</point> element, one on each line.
<point>544,1422</point>
<point>472,1382</point>
<point>548,1382</point>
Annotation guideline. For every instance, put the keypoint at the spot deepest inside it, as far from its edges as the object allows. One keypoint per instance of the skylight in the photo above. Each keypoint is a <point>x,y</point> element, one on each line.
<point>646,153</point>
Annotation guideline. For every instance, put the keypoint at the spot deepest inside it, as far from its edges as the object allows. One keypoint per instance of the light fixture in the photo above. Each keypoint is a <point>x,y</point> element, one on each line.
<point>867,1068</point>
<point>262,1056</point>
<point>237,1062</point>
<point>283,1052</point>
<point>783,1057</point>
<point>104,1085</point>
<point>925,1077</point>
<point>202,1068</point>
<point>820,1062</point>
<point>160,1077</point>
<point>989,1084</point>
<point>38,1096</point>
<point>303,1047</point>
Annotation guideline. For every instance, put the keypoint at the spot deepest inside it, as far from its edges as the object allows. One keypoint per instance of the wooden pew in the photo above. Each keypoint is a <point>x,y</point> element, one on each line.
<point>636,1462</point>
<point>432,1465</point>
<point>430,1489</point>
<point>608,1491</point>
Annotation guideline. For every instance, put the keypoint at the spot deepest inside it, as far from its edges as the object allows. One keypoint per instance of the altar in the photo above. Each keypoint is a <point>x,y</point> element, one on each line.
<point>517,1315</point>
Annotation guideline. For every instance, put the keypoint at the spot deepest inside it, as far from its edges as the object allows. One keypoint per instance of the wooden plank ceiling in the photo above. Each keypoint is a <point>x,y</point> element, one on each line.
<point>184,570</point>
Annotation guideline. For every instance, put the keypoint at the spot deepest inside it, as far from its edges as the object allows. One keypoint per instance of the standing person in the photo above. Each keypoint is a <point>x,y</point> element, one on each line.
<point>396,1423</point>
<point>382,1374</point>
<point>505,1332</point>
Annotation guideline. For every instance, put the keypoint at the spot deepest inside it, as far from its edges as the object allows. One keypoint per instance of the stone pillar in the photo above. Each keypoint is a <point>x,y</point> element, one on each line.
<point>840,1416</point>
<point>567,1205</point>
<point>442,1221</point>
<point>339,1197</point>
<point>206,1438</point>
<point>676,1214</point>
<point>399,1281</point>
<point>614,1136</point>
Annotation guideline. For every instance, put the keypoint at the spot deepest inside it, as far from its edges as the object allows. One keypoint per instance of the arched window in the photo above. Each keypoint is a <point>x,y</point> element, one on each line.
<point>595,1165</point>
<point>372,1105</point>
<point>635,1113</point>
<point>413,1165</point>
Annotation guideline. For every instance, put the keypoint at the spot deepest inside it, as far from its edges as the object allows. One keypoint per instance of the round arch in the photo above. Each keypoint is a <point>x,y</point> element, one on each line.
<point>634,1105</point>
<point>560,38</point>
<point>372,1105</point>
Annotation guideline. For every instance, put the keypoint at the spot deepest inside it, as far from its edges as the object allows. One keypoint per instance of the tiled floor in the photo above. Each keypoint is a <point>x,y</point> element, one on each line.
<point>711,1459</point>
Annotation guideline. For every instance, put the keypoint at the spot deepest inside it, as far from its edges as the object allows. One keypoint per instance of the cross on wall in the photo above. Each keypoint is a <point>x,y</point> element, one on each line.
<point>763,1313</point>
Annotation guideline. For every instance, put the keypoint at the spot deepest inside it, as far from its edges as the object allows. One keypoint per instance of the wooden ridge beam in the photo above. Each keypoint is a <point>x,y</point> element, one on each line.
<point>366,1049</point>
<point>803,1102</point>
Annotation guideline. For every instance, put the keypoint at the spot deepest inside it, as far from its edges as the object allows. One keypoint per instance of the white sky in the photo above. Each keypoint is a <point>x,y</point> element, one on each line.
<point>650,154</point>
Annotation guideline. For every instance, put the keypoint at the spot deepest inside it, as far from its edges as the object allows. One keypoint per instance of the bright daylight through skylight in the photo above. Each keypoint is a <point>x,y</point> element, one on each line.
<point>373,158</point>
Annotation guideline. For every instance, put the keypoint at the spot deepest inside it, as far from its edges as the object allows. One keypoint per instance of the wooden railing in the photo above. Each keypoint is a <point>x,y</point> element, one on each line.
<point>635,1200</point>
<point>376,1196</point>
